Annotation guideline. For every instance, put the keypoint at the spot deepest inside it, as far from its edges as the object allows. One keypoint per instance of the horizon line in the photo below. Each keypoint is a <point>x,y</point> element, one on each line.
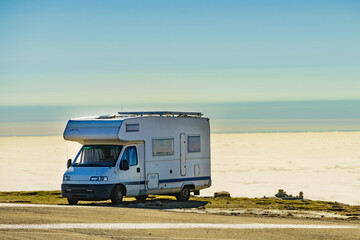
<point>185,103</point>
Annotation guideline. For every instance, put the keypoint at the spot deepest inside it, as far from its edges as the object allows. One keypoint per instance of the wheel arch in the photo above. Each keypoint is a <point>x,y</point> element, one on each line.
<point>190,185</point>
<point>123,188</point>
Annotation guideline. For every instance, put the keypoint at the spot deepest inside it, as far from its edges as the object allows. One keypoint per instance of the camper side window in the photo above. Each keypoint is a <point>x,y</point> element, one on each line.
<point>130,155</point>
<point>132,127</point>
<point>193,144</point>
<point>163,147</point>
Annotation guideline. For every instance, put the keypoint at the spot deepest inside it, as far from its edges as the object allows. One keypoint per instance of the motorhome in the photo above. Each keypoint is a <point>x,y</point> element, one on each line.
<point>138,154</point>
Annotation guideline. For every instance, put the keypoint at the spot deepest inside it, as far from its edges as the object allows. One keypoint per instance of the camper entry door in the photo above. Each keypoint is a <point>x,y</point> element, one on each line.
<point>182,154</point>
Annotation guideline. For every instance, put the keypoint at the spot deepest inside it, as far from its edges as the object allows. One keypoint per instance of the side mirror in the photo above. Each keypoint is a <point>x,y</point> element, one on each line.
<point>69,162</point>
<point>124,165</point>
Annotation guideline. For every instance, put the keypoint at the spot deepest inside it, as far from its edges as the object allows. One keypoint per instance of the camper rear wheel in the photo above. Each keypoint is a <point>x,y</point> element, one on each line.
<point>117,195</point>
<point>183,195</point>
<point>72,201</point>
<point>141,198</point>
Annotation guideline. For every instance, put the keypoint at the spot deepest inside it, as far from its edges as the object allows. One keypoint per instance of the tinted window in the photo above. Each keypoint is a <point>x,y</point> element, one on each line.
<point>163,147</point>
<point>97,156</point>
<point>130,155</point>
<point>193,143</point>
<point>132,127</point>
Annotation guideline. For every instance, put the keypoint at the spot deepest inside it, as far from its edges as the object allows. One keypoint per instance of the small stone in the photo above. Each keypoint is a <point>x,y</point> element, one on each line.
<point>289,207</point>
<point>158,203</point>
<point>221,194</point>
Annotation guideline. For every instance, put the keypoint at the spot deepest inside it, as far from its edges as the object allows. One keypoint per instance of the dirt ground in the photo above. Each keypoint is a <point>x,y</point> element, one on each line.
<point>108,214</point>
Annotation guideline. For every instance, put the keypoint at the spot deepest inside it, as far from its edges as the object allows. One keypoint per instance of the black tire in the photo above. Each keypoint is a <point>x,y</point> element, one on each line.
<point>72,201</point>
<point>117,195</point>
<point>183,195</point>
<point>141,198</point>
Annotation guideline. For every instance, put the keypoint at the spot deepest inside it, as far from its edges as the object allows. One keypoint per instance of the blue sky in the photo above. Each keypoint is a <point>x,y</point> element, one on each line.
<point>135,52</point>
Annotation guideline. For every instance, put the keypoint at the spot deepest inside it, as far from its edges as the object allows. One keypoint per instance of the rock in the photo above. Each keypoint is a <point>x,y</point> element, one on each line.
<point>221,194</point>
<point>289,207</point>
<point>158,203</point>
<point>141,205</point>
<point>301,195</point>
<point>281,194</point>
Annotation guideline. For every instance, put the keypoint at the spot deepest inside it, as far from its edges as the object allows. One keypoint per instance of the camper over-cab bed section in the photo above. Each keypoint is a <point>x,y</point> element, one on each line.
<point>108,127</point>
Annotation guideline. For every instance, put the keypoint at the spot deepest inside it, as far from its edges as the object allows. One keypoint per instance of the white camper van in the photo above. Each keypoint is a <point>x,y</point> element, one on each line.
<point>137,154</point>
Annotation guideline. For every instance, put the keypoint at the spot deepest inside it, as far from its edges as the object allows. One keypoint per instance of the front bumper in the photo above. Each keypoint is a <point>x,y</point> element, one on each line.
<point>87,191</point>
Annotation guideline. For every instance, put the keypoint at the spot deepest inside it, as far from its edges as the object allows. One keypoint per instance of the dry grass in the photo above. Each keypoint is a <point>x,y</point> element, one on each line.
<point>54,197</point>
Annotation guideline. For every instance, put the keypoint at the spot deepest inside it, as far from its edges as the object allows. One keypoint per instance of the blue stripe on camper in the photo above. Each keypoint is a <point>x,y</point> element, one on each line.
<point>135,183</point>
<point>170,180</point>
<point>183,179</point>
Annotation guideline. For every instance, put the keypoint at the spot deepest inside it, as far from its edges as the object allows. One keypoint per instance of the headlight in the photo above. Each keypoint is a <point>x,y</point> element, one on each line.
<point>99,178</point>
<point>103,178</point>
<point>66,178</point>
<point>94,178</point>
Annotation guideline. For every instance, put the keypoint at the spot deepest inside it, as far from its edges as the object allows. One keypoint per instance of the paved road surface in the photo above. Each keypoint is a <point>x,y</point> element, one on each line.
<point>96,222</point>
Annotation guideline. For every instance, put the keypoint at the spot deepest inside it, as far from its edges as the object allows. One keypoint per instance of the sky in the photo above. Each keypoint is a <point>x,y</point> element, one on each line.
<point>151,52</point>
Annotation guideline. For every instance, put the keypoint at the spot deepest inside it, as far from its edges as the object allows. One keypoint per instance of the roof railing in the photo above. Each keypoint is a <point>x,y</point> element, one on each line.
<point>162,114</point>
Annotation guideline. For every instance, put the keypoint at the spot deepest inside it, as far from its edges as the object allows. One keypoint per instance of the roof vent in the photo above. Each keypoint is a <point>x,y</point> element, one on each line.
<point>107,116</point>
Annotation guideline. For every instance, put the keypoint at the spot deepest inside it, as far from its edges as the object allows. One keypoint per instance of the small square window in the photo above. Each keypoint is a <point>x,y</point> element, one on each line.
<point>133,127</point>
<point>193,144</point>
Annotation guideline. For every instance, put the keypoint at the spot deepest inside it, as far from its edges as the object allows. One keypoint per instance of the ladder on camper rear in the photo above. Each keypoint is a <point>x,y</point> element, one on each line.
<point>162,114</point>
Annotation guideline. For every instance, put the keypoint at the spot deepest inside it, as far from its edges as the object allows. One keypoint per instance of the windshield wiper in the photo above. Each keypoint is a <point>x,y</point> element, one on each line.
<point>92,165</point>
<point>86,165</point>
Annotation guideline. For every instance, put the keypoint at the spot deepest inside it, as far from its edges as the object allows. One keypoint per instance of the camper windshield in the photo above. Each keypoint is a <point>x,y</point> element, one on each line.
<point>97,156</point>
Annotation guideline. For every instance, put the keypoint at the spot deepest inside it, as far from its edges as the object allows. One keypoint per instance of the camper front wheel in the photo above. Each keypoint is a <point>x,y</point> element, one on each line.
<point>183,195</point>
<point>72,201</point>
<point>117,195</point>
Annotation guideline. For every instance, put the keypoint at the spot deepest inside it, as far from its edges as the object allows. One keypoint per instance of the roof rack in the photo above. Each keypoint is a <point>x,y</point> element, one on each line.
<point>162,114</point>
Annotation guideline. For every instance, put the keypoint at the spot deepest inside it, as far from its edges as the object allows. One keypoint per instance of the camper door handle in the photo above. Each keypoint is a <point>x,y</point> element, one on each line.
<point>138,169</point>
